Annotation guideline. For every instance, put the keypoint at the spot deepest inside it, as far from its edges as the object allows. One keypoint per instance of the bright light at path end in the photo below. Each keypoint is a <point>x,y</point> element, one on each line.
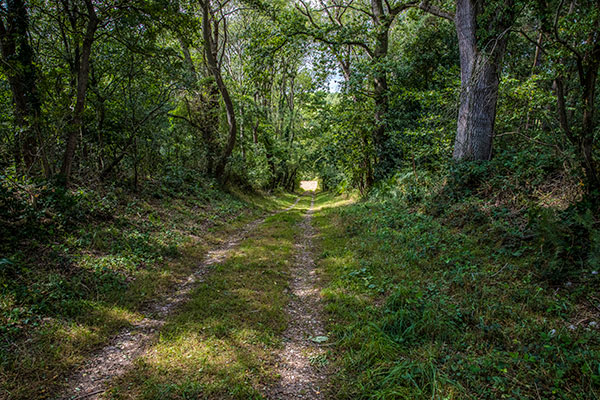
<point>309,185</point>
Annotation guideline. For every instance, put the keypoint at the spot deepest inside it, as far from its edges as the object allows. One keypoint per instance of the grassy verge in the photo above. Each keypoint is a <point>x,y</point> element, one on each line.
<point>221,345</point>
<point>423,308</point>
<point>65,292</point>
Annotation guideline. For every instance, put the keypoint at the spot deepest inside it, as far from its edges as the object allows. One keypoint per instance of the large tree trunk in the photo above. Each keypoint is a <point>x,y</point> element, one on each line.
<point>209,109</point>
<point>82,81</point>
<point>480,69</point>
<point>211,50</point>
<point>477,109</point>
<point>380,136</point>
<point>210,128</point>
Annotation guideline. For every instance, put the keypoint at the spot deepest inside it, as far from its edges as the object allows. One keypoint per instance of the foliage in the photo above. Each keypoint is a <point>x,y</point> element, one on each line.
<point>448,280</point>
<point>83,264</point>
<point>451,296</point>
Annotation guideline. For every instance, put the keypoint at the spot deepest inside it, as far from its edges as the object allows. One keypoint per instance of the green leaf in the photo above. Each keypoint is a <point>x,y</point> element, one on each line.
<point>319,339</point>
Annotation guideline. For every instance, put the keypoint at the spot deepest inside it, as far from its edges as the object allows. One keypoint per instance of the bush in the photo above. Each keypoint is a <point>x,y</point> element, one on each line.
<point>569,240</point>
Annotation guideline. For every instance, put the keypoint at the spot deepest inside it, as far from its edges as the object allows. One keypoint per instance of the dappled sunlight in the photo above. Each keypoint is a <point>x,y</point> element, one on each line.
<point>75,333</point>
<point>223,339</point>
<point>113,269</point>
<point>194,365</point>
<point>408,291</point>
<point>412,187</point>
<point>325,201</point>
<point>64,343</point>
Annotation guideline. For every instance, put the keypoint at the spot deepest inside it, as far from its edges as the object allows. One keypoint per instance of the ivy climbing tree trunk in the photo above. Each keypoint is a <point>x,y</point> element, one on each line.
<point>76,124</point>
<point>210,34</point>
<point>380,88</point>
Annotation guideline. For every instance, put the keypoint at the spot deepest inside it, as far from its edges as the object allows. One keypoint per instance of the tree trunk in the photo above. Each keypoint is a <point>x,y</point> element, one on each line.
<point>210,127</point>
<point>380,137</point>
<point>82,81</point>
<point>583,136</point>
<point>384,157</point>
<point>211,48</point>
<point>241,142</point>
<point>367,165</point>
<point>477,110</point>
<point>17,57</point>
<point>189,63</point>
<point>480,69</point>
<point>589,126</point>
<point>270,162</point>
<point>255,132</point>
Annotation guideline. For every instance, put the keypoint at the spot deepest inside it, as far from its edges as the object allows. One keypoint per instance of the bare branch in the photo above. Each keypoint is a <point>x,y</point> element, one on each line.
<point>181,117</point>
<point>306,12</point>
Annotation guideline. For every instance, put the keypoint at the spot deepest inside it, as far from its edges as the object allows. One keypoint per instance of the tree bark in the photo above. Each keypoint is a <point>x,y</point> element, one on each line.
<point>477,110</point>
<point>480,64</point>
<point>211,50</point>
<point>480,70</point>
<point>255,131</point>
<point>210,128</point>
<point>82,81</point>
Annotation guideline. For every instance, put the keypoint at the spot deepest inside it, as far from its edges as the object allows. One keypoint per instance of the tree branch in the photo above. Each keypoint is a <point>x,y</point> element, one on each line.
<point>433,10</point>
<point>536,43</point>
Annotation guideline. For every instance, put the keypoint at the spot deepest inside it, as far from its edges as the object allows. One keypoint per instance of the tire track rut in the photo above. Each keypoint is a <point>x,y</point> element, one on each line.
<point>298,367</point>
<point>114,359</point>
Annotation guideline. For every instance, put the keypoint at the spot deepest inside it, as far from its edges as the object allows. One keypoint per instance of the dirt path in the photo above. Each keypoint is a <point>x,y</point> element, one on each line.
<point>115,358</point>
<point>299,361</point>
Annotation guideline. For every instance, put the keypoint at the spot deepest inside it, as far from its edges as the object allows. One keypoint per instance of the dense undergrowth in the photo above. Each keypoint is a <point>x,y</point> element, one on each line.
<point>77,265</point>
<point>472,283</point>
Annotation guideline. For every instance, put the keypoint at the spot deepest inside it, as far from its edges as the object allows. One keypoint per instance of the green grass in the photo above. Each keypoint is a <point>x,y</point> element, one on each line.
<point>66,293</point>
<point>222,344</point>
<point>423,308</point>
<point>423,300</point>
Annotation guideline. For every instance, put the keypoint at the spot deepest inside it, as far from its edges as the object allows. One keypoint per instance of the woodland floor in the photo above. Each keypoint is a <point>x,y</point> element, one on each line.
<point>317,296</point>
<point>117,357</point>
<point>251,341</point>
